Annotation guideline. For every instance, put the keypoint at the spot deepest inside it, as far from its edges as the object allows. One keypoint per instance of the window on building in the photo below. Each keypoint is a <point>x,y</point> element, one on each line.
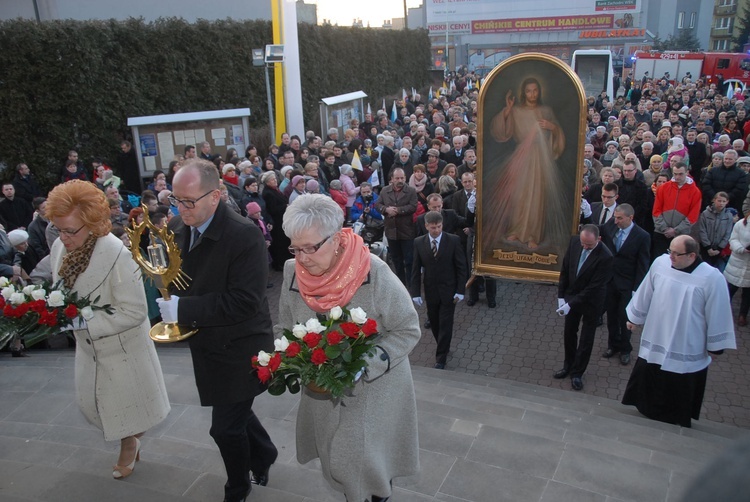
<point>721,45</point>
<point>723,23</point>
<point>727,3</point>
<point>681,20</point>
<point>692,19</point>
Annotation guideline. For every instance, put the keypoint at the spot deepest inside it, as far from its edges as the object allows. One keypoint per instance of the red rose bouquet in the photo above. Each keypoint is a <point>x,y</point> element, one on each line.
<point>34,312</point>
<point>327,353</point>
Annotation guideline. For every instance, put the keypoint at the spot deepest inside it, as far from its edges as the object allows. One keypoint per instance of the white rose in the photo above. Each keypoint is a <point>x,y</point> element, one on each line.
<point>17,298</point>
<point>56,299</point>
<point>336,313</point>
<point>281,344</point>
<point>299,330</point>
<point>39,294</point>
<point>314,326</point>
<point>4,282</point>
<point>29,289</point>
<point>8,292</point>
<point>263,358</point>
<point>87,313</point>
<point>359,316</point>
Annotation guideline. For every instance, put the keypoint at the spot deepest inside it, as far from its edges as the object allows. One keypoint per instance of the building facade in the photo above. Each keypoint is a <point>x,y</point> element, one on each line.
<point>724,25</point>
<point>482,33</point>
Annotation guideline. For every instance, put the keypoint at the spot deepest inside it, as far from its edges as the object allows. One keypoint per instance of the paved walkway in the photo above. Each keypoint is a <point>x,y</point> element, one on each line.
<point>481,439</point>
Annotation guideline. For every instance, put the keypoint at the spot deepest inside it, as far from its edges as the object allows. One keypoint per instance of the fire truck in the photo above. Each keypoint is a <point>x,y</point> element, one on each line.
<point>728,66</point>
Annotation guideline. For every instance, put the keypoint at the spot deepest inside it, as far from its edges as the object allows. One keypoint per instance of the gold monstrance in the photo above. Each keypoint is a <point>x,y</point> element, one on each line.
<point>160,270</point>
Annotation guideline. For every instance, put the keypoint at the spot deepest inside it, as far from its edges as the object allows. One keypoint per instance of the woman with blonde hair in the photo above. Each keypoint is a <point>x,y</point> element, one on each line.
<point>119,383</point>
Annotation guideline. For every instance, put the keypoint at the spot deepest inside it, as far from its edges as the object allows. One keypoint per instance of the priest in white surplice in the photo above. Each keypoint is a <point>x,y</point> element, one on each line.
<point>684,307</point>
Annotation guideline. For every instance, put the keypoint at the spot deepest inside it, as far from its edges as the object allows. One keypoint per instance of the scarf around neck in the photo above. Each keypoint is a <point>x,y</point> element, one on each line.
<point>337,286</point>
<point>417,185</point>
<point>76,262</point>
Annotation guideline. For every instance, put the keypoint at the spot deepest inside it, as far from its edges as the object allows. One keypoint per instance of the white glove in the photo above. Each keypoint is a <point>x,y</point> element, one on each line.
<point>564,310</point>
<point>585,208</point>
<point>560,302</point>
<point>471,204</point>
<point>417,300</point>
<point>457,298</point>
<point>168,308</point>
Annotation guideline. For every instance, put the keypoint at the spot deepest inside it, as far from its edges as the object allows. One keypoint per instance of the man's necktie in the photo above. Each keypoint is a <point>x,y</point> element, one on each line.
<point>434,248</point>
<point>604,215</point>
<point>584,255</point>
<point>620,235</point>
<point>196,236</point>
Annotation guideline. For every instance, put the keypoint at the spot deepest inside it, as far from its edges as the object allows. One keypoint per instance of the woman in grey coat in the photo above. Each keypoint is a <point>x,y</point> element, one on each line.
<point>369,436</point>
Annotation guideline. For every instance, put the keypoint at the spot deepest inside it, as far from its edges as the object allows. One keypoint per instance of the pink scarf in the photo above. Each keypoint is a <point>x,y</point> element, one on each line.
<point>337,286</point>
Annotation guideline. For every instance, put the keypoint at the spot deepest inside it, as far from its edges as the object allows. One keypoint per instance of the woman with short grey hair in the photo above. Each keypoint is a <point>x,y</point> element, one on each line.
<point>359,448</point>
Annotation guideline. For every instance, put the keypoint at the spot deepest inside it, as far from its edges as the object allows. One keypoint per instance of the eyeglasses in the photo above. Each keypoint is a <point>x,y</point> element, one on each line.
<point>71,233</point>
<point>308,249</point>
<point>187,203</point>
<point>674,253</point>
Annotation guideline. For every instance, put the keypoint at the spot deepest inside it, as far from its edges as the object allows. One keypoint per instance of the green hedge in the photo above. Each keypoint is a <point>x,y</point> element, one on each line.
<point>72,84</point>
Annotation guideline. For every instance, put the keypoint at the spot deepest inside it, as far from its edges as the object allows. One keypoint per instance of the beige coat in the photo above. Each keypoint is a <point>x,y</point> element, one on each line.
<point>366,439</point>
<point>119,383</point>
<point>737,271</point>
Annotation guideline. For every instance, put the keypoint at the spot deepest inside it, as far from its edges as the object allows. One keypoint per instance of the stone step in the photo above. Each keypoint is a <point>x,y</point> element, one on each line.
<point>481,440</point>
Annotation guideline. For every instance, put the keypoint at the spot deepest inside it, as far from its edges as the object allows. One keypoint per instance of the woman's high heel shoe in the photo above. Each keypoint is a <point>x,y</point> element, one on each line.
<point>119,471</point>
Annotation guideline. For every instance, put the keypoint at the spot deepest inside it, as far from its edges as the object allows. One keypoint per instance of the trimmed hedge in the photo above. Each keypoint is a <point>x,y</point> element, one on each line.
<point>72,84</point>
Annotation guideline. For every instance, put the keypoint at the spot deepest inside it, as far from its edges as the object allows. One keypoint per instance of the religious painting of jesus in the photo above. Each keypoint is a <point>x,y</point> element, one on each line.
<point>530,157</point>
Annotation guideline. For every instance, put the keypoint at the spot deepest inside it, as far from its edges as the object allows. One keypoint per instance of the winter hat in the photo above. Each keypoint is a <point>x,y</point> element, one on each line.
<point>252,207</point>
<point>18,236</point>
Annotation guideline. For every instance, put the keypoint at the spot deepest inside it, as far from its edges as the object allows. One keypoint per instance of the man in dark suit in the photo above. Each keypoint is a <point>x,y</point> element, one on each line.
<point>441,256</point>
<point>455,155</point>
<point>226,302</point>
<point>452,221</point>
<point>586,270</point>
<point>602,212</point>
<point>630,246</point>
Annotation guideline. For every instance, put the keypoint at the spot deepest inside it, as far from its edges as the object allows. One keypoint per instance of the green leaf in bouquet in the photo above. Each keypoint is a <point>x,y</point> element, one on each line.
<point>346,356</point>
<point>277,387</point>
<point>333,351</point>
<point>292,383</point>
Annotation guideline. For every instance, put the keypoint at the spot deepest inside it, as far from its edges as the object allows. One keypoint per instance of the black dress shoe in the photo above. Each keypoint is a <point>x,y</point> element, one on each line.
<point>471,303</point>
<point>561,373</point>
<point>427,324</point>
<point>624,359</point>
<point>609,353</point>
<point>439,366</point>
<point>576,383</point>
<point>491,304</point>
<point>260,479</point>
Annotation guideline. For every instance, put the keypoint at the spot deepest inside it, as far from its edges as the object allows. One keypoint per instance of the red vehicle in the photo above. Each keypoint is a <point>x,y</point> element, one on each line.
<point>710,65</point>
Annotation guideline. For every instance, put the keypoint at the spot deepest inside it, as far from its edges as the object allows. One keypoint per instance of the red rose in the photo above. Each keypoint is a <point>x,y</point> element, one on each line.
<point>254,360</point>
<point>38,306</point>
<point>275,361</point>
<point>350,329</point>
<point>2,302</point>
<point>50,317</point>
<point>8,310</point>
<point>318,356</point>
<point>293,349</point>
<point>334,337</point>
<point>264,374</point>
<point>370,327</point>
<point>71,311</point>
<point>312,339</point>
<point>22,309</point>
